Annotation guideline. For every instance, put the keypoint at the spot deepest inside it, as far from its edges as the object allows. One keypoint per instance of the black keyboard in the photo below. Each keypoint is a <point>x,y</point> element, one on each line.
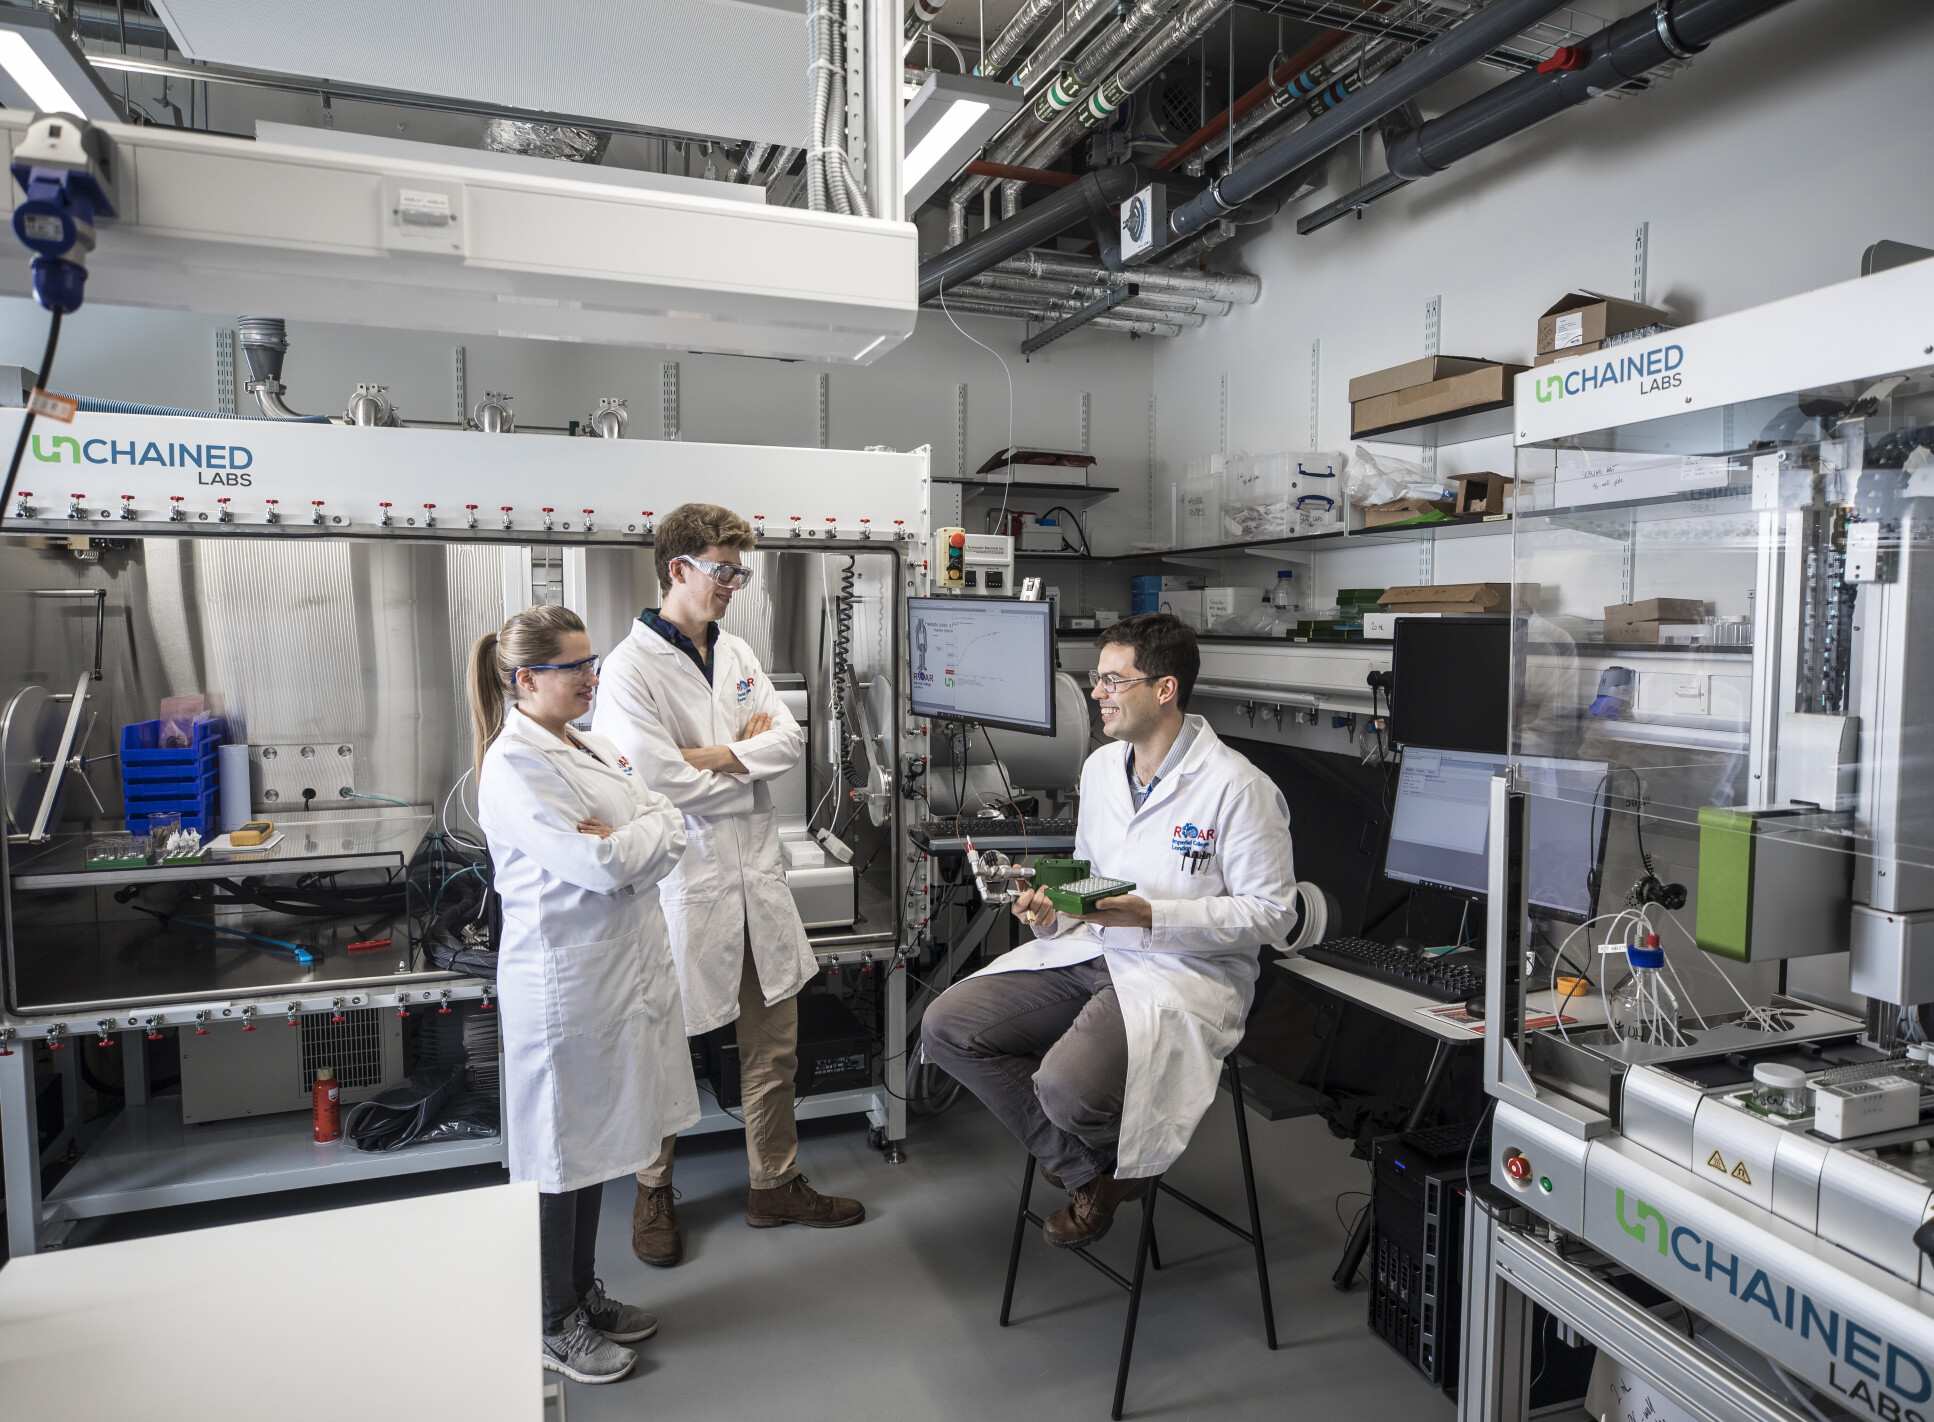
<point>1005,833</point>
<point>1427,977</point>
<point>1469,1138</point>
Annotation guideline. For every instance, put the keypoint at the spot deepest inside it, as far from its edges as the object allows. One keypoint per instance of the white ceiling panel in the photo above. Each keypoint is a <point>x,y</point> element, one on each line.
<point>728,68</point>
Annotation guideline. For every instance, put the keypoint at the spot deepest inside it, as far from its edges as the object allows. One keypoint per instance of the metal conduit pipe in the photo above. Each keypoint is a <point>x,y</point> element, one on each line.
<point>1184,30</point>
<point>1462,44</point>
<point>1007,44</point>
<point>1197,246</point>
<point>1241,288</point>
<point>1043,221</point>
<point>1033,130</point>
<point>1111,322</point>
<point>755,157</point>
<point>1083,293</point>
<point>1672,29</point>
<point>1081,17</point>
<point>1133,309</point>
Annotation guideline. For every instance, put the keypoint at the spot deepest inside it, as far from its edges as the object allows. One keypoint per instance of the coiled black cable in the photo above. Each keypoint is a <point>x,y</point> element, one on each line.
<point>843,673</point>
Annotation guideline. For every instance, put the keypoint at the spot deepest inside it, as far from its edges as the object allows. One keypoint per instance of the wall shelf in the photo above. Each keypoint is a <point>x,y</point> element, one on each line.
<point>1479,422</point>
<point>1064,493</point>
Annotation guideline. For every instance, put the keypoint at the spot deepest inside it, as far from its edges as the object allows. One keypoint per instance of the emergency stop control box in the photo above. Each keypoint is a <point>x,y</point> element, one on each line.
<point>951,572</point>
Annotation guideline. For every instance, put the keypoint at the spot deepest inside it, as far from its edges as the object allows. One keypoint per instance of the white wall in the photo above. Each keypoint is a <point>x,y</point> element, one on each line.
<point>1764,169</point>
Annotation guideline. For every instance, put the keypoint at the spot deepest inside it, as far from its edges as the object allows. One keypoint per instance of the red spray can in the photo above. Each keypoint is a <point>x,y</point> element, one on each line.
<point>328,1106</point>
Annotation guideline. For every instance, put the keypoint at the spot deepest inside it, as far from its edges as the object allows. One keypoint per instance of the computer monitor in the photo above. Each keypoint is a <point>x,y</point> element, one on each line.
<point>1451,683</point>
<point>1440,828</point>
<point>983,659</point>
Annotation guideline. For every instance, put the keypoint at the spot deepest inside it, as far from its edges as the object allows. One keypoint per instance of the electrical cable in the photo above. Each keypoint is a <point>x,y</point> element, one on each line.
<point>382,799</point>
<point>27,425</point>
<point>1075,519</point>
<point>843,673</point>
<point>1008,489</point>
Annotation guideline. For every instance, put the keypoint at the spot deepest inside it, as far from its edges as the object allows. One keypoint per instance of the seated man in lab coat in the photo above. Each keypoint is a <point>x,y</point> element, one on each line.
<point>1100,1043</point>
<point>692,708</point>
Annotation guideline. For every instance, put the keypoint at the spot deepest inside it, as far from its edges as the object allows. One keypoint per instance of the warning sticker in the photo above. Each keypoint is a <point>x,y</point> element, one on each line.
<point>1739,1174</point>
<point>1716,1162</point>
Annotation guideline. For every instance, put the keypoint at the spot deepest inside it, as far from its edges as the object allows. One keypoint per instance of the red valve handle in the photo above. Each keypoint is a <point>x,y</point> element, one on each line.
<point>383,505</point>
<point>501,508</point>
<point>248,1026</point>
<point>271,501</point>
<point>53,1045</point>
<point>316,502</point>
<point>6,1051</point>
<point>339,1018</point>
<point>1565,57</point>
<point>402,1011</point>
<point>429,506</point>
<point>547,510</point>
<point>795,518</point>
<point>201,1031</point>
<point>468,506</point>
<point>647,513</point>
<point>127,498</point>
<point>155,1035</point>
<point>443,1009</point>
<point>77,496</point>
<point>590,511</point>
<point>176,498</point>
<point>866,520</point>
<point>221,501</point>
<point>488,1006</point>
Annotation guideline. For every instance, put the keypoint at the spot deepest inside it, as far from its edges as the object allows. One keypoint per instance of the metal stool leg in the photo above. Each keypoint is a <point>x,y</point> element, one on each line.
<point>1135,1294</point>
<point>1249,1189</point>
<point>1020,1229</point>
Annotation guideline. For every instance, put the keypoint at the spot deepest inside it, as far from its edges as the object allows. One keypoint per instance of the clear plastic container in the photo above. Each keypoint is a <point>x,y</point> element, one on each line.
<point>1644,1010</point>
<point>1781,1090</point>
<point>1198,503</point>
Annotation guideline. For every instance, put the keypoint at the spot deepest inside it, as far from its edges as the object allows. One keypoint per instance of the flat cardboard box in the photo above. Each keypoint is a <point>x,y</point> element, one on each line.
<point>1547,357</point>
<point>1656,609</point>
<point>1412,372</point>
<point>1487,385</point>
<point>1584,317</point>
<point>1459,597</point>
<point>1480,494</point>
<point>1402,511</point>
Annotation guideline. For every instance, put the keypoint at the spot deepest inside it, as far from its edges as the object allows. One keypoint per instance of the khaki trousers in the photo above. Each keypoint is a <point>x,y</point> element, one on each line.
<point>768,1065</point>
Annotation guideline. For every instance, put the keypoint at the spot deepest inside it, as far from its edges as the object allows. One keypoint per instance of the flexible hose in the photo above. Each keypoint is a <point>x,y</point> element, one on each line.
<point>26,425</point>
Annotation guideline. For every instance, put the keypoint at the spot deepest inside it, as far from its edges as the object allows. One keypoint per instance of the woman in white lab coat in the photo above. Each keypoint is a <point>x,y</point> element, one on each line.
<point>597,1071</point>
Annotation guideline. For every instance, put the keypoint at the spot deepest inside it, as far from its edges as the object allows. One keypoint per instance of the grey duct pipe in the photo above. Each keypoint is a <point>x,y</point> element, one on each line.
<point>1184,30</point>
<point>966,306</point>
<point>1004,285</point>
<point>1612,57</point>
<point>1028,19</point>
<point>1081,18</point>
<point>1462,44</point>
<point>1239,288</point>
<point>265,341</point>
<point>1091,197</point>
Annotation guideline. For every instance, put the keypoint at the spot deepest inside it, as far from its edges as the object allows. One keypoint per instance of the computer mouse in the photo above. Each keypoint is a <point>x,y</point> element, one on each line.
<point>1475,1007</point>
<point>1408,945</point>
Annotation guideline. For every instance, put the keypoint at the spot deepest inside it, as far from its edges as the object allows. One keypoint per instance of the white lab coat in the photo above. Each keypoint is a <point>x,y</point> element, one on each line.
<point>596,1069</point>
<point>1186,983</point>
<point>654,702</point>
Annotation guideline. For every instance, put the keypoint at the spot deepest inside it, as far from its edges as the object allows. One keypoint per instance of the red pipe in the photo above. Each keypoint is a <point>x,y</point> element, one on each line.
<point>1242,107</point>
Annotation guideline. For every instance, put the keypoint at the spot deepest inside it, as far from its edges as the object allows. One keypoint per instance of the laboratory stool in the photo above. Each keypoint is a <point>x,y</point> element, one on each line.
<point>1146,1250</point>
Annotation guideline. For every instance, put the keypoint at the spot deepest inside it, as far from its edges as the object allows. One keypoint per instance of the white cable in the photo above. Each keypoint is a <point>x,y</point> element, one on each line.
<point>1758,1015</point>
<point>1008,491</point>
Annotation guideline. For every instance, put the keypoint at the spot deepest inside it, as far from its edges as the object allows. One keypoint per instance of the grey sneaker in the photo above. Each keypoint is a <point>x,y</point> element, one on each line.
<point>585,1355</point>
<point>620,1322</point>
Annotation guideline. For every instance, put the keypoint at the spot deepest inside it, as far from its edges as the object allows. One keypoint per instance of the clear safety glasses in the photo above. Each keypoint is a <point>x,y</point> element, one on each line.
<point>726,575</point>
<point>585,670</point>
<point>1111,683</point>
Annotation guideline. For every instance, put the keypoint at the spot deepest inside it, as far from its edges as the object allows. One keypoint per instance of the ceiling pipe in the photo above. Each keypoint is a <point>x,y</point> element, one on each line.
<point>1282,78</point>
<point>1239,288</point>
<point>1610,59</point>
<point>1041,176</point>
<point>1458,46</point>
<point>1008,43</point>
<point>1081,18</point>
<point>1090,198</point>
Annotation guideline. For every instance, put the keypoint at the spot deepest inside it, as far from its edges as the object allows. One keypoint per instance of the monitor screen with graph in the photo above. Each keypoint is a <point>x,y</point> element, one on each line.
<point>986,660</point>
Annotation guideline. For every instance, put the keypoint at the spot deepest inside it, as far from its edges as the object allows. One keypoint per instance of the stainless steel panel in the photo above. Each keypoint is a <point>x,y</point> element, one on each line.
<point>1657,1112</point>
<point>1735,1149</point>
<point>1873,1209</point>
<point>1796,1179</point>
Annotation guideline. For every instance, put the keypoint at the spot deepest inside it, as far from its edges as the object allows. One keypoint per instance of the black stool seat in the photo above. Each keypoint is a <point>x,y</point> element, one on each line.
<point>1146,1250</point>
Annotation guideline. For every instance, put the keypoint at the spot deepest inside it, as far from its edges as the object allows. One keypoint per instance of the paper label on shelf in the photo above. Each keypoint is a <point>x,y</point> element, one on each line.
<point>1702,471</point>
<point>1571,330</point>
<point>1766,482</point>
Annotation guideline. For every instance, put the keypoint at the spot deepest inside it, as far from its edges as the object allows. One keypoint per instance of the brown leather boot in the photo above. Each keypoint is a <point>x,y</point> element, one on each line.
<point>796,1202</point>
<point>654,1227</point>
<point>1089,1211</point>
<point>1052,1178</point>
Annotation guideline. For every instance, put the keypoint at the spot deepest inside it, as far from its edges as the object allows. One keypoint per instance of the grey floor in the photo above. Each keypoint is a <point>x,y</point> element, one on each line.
<point>896,1317</point>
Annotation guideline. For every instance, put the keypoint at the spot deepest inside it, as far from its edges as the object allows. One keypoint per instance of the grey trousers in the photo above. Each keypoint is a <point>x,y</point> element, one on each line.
<point>1047,1052</point>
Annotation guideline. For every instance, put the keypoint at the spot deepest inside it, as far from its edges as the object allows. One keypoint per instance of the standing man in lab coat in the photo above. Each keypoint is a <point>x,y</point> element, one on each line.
<point>1099,1044</point>
<point>692,708</point>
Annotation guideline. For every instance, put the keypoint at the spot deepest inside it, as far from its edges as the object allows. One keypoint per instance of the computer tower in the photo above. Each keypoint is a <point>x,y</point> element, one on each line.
<point>1416,1245</point>
<point>835,1052</point>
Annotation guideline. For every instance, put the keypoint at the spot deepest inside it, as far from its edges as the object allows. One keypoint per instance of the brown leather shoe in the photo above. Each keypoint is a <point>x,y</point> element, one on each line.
<point>796,1202</point>
<point>1089,1211</point>
<point>654,1227</point>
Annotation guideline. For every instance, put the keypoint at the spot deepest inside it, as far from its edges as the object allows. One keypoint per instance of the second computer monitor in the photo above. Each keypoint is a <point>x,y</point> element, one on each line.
<point>983,659</point>
<point>1452,683</point>
<point>1440,827</point>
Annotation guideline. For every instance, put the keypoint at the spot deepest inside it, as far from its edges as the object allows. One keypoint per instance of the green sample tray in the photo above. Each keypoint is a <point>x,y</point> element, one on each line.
<point>1079,896</point>
<point>1053,873</point>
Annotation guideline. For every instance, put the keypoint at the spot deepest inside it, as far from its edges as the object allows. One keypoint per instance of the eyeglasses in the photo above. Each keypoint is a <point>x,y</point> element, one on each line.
<point>1111,683</point>
<point>584,670</point>
<point>726,575</point>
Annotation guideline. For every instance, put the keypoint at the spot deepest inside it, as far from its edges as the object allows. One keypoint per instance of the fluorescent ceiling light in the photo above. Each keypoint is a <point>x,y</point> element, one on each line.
<point>946,123</point>
<point>31,73</point>
<point>41,68</point>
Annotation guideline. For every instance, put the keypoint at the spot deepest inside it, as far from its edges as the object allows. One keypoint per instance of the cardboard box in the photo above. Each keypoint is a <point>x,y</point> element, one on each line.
<point>1656,609</point>
<point>1412,372</point>
<point>1402,511</point>
<point>1460,597</point>
<point>1480,494</point>
<point>1487,385</point>
<point>1584,317</point>
<point>1547,357</point>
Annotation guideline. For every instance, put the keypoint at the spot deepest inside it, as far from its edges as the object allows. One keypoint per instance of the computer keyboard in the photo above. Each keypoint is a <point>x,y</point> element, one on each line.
<point>1005,833</point>
<point>1427,977</point>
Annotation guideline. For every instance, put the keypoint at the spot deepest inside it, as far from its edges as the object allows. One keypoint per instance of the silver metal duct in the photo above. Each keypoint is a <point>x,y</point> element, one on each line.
<point>493,414</point>
<point>265,341</point>
<point>1241,288</point>
<point>1184,30</point>
<point>608,421</point>
<point>755,157</point>
<point>370,406</point>
<point>1026,311</point>
<point>545,140</point>
<point>1028,19</point>
<point>1079,19</point>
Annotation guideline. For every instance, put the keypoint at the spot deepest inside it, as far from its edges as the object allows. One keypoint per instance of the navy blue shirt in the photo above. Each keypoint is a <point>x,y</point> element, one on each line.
<point>684,644</point>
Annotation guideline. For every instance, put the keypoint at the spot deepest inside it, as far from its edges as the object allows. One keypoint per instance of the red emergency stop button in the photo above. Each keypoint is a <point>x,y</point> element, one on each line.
<point>958,540</point>
<point>1517,1167</point>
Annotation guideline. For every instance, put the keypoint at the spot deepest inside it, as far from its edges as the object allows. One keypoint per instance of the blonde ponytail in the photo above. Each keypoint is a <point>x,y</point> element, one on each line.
<point>529,638</point>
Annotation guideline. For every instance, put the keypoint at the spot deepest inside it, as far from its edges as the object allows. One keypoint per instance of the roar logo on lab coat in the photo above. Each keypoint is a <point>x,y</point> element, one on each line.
<point>1185,982</point>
